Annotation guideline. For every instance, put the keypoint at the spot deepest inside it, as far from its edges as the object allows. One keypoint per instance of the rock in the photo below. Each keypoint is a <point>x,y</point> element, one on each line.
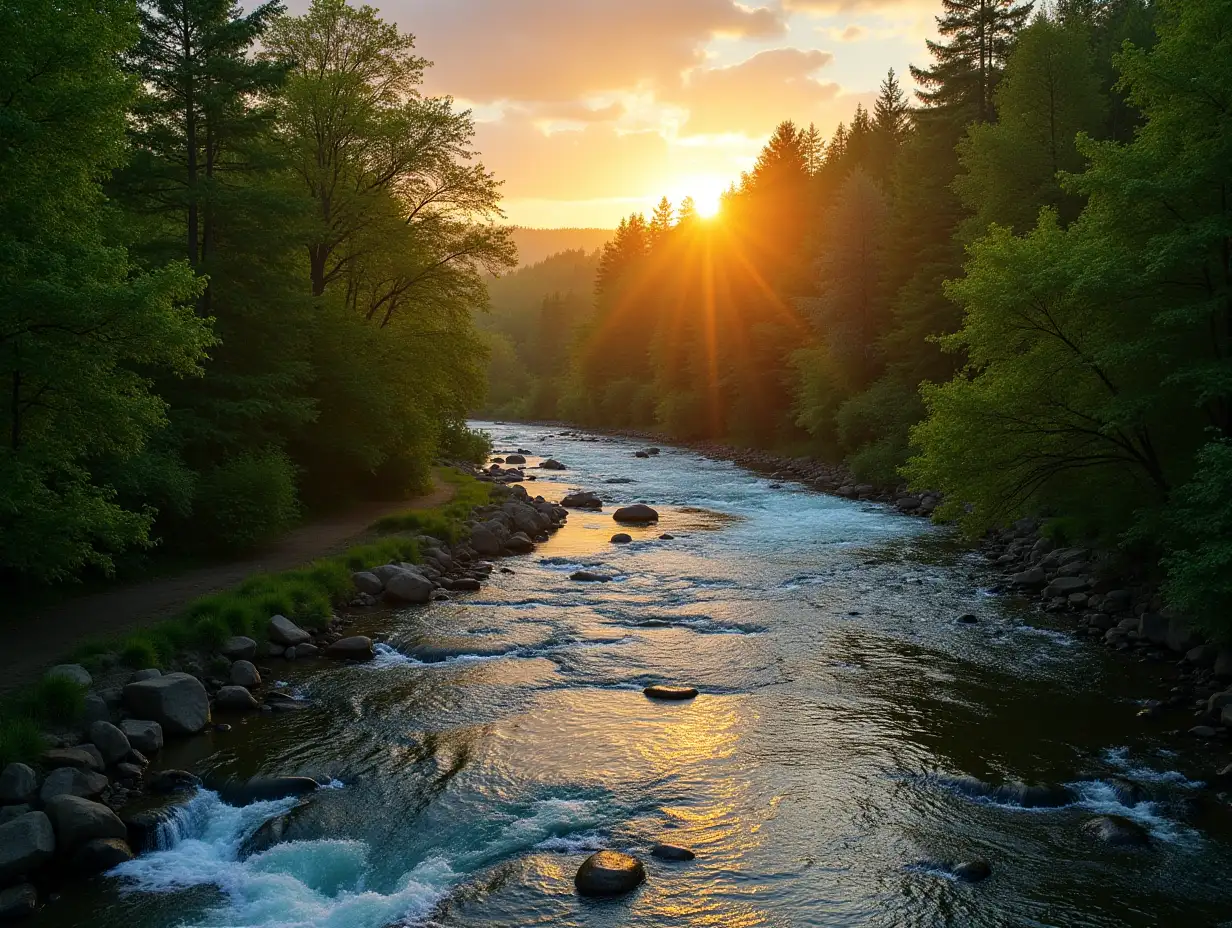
<point>670,692</point>
<point>8,813</point>
<point>74,672</point>
<point>111,741</point>
<point>652,451</point>
<point>99,856</point>
<point>305,651</point>
<point>235,699</point>
<point>640,454</point>
<point>466,585</point>
<point>1066,586</point>
<point>907,503</point>
<point>18,902</point>
<point>69,781</point>
<point>485,541</point>
<point>26,843</point>
<point>144,735</point>
<point>638,512</point>
<point>1117,831</point>
<point>176,701</point>
<point>1181,637</point>
<point>1223,663</point>
<point>1032,578</point>
<point>18,783</point>
<point>285,632</point>
<point>127,771</point>
<point>514,459</point>
<point>77,757</point>
<point>239,648</point>
<point>666,537</point>
<point>609,873</point>
<point>355,648</point>
<point>552,464</point>
<point>973,871</point>
<point>1225,717</point>
<point>1153,627</point>
<point>150,673</point>
<point>582,500</point>
<point>244,673</point>
<point>408,586</point>
<point>589,576</point>
<point>1203,731</point>
<point>166,782</point>
<point>968,619</point>
<point>264,789</point>
<point>367,582</point>
<point>519,543</point>
<point>1203,655</point>
<point>79,820</point>
<point>671,852</point>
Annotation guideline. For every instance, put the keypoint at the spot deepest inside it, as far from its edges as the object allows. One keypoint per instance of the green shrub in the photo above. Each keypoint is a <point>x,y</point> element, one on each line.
<point>459,443</point>
<point>247,500</point>
<point>20,739</point>
<point>56,700</point>
<point>1199,543</point>
<point>139,652</point>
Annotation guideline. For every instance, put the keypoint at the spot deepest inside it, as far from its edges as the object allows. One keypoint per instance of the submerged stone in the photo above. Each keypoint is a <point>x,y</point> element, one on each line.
<point>609,873</point>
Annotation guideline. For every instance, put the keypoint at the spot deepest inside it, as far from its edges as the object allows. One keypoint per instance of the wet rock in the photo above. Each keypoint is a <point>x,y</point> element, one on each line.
<point>305,651</point>
<point>1066,586</point>
<point>239,648</point>
<point>640,454</point>
<point>74,672</point>
<point>621,538</point>
<point>245,674</point>
<point>1027,796</point>
<point>514,459</point>
<point>128,773</point>
<point>367,582</point>
<point>671,852</point>
<point>653,451</point>
<point>143,734</point>
<point>408,586</point>
<point>283,631</point>
<point>264,789</point>
<point>235,699</point>
<point>589,576</point>
<point>907,503</point>
<point>973,871</point>
<point>552,464</point>
<point>77,820</point>
<point>609,873</point>
<point>638,513</point>
<point>111,741</point>
<point>1033,578</point>
<point>355,648</point>
<point>77,757</point>
<point>99,856</point>
<point>167,782</point>
<point>26,843</point>
<point>666,537</point>
<point>658,691</point>
<point>1117,831</point>
<point>18,783</point>
<point>582,500</point>
<point>519,543</point>
<point>18,902</point>
<point>466,584</point>
<point>144,818</point>
<point>69,781</point>
<point>176,701</point>
<point>968,619</point>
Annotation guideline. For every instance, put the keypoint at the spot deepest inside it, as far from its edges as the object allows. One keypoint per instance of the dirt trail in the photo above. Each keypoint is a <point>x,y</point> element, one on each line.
<point>45,637</point>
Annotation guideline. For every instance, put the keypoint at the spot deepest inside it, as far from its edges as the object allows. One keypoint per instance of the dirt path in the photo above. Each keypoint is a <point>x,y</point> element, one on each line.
<point>45,637</point>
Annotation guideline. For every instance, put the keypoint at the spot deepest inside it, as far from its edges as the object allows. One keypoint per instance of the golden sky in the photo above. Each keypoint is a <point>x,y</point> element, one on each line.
<point>591,109</point>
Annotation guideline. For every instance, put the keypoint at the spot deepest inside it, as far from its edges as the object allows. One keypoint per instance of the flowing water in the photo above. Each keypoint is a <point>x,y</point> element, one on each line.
<point>500,738</point>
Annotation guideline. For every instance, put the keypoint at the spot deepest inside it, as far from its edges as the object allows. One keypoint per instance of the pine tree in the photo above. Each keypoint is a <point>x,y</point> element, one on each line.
<point>977,35</point>
<point>814,148</point>
<point>660,223</point>
<point>891,111</point>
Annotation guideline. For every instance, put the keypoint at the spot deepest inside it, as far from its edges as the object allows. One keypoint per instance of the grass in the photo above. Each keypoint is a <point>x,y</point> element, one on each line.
<point>306,595</point>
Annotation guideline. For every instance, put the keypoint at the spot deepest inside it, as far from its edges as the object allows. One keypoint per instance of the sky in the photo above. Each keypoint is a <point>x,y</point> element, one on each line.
<point>589,110</point>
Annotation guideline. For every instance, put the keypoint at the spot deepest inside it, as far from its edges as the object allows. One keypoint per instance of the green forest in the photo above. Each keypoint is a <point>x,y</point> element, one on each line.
<point>239,257</point>
<point>1015,289</point>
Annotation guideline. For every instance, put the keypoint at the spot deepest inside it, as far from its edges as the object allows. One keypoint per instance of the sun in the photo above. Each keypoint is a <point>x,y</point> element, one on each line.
<point>706,191</point>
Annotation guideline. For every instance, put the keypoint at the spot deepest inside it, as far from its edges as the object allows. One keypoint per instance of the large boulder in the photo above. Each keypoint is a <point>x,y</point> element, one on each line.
<point>660,691</point>
<point>1032,578</point>
<point>69,781</point>
<point>239,648</point>
<point>96,709</point>
<point>285,632</point>
<point>365,581</point>
<point>515,459</point>
<point>74,672</point>
<point>1153,627</point>
<point>18,783</point>
<point>1065,586</point>
<point>552,464</point>
<point>408,586</point>
<point>236,699</point>
<point>26,843</point>
<point>83,757</point>
<point>79,820</point>
<point>99,856</point>
<point>638,512</point>
<point>18,902</point>
<point>609,873</point>
<point>485,541</point>
<point>583,499</point>
<point>355,648</point>
<point>519,543</point>
<point>1117,831</point>
<point>176,701</point>
<point>245,673</point>
<point>264,789</point>
<point>143,734</point>
<point>111,741</point>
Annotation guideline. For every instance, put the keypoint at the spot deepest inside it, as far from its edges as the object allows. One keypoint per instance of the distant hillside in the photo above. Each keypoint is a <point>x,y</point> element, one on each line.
<point>536,244</point>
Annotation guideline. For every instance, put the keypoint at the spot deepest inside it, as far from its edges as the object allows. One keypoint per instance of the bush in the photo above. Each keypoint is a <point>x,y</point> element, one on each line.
<point>56,701</point>
<point>459,443</point>
<point>20,739</point>
<point>246,501</point>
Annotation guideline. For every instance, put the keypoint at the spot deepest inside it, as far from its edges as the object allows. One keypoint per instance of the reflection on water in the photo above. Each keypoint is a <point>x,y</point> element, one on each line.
<point>501,737</point>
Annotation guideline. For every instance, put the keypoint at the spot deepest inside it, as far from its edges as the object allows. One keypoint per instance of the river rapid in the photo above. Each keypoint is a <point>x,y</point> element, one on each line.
<point>500,738</point>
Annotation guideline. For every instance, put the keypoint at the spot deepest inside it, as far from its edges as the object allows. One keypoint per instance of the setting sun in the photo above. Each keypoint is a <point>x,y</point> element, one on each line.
<point>706,191</point>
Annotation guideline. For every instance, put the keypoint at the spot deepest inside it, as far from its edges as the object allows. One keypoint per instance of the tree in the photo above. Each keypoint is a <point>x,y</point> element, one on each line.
<point>660,222</point>
<point>1012,168</point>
<point>977,36</point>
<point>891,111</point>
<point>81,328</point>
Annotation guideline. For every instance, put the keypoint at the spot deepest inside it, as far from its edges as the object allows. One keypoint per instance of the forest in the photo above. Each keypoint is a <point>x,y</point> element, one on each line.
<point>1015,288</point>
<point>228,241</point>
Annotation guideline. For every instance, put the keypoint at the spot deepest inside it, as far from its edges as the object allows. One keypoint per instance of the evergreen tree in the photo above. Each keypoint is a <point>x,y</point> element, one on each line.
<point>967,63</point>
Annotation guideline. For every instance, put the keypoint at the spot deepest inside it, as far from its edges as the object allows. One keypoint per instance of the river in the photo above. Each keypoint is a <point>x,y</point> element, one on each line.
<point>500,738</point>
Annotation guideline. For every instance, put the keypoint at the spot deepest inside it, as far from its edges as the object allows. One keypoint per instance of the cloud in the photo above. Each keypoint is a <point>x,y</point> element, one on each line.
<point>552,50</point>
<point>754,95</point>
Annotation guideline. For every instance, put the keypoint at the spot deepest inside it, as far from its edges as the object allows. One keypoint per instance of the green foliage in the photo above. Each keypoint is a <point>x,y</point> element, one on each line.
<point>247,500</point>
<point>459,443</point>
<point>56,701</point>
<point>21,740</point>
<point>1199,542</point>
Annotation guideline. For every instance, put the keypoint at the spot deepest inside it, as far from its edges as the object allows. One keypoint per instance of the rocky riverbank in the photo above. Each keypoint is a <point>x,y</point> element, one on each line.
<point>94,798</point>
